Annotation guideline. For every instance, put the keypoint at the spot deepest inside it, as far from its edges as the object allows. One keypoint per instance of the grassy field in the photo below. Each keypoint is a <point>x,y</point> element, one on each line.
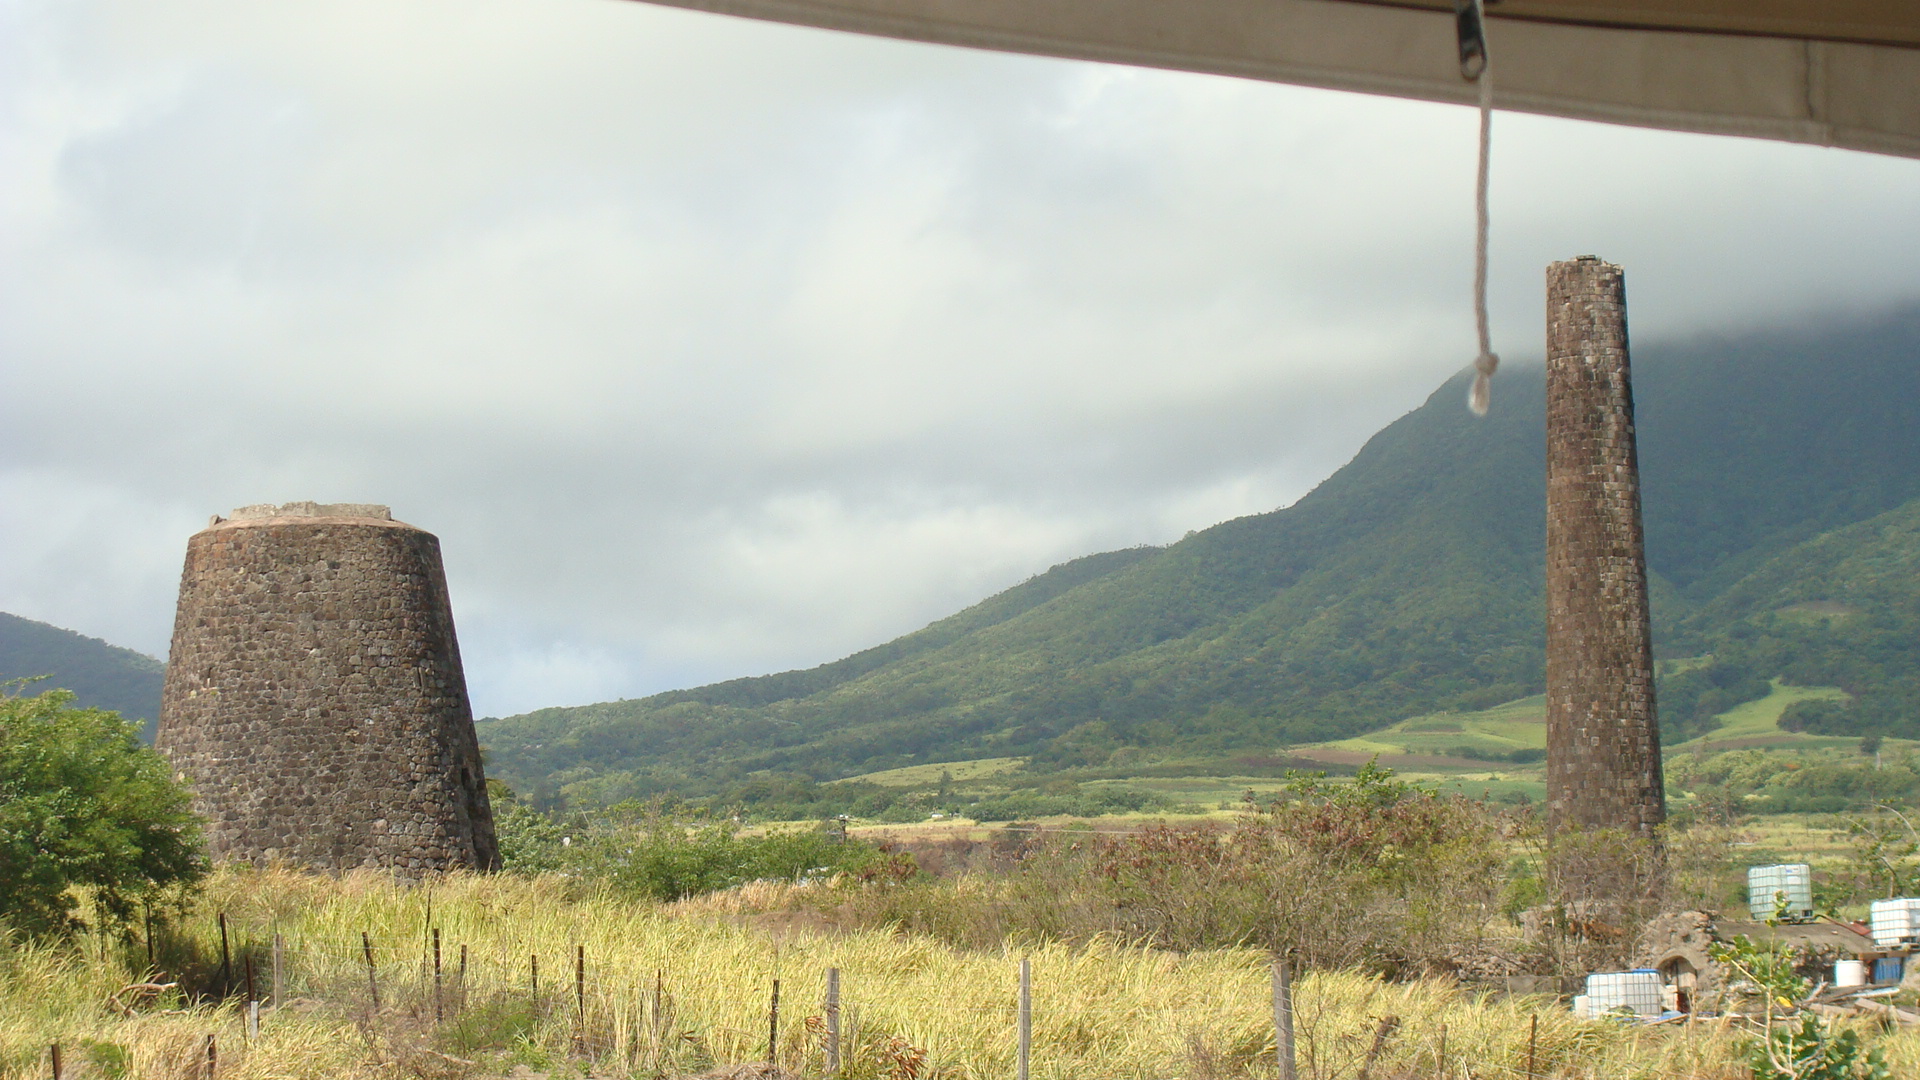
<point>1521,725</point>
<point>959,771</point>
<point>912,1007</point>
<point>1418,749</point>
<point>1516,725</point>
<point>1428,749</point>
<point>1224,793</point>
<point>1807,838</point>
<point>1757,723</point>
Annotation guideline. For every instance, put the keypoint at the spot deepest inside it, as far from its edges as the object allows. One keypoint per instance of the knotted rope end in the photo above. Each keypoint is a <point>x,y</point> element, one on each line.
<point>1480,398</point>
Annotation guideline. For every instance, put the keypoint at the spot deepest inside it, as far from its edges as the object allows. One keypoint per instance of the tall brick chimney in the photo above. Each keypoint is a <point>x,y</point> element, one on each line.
<point>1603,740</point>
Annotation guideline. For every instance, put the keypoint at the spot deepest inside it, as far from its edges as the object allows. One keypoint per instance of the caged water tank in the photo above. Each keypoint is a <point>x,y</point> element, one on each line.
<point>1896,922</point>
<point>1783,892</point>
<point>1611,992</point>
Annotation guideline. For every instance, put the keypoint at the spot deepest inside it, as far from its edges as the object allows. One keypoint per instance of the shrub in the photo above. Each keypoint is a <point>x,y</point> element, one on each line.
<point>649,851</point>
<point>1079,803</point>
<point>1523,756</point>
<point>85,805</point>
<point>1376,873</point>
<point>1809,1051</point>
<point>530,842</point>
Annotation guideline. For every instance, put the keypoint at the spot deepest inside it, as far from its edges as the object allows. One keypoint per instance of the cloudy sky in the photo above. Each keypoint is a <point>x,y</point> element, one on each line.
<point>714,348</point>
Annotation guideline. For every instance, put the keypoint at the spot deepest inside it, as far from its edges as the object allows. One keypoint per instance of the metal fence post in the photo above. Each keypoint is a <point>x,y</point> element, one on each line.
<point>1283,1016</point>
<point>833,1020</point>
<point>1026,1016</point>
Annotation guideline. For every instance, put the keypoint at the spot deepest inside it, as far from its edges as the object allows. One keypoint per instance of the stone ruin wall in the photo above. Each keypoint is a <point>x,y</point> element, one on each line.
<point>1603,741</point>
<point>314,698</point>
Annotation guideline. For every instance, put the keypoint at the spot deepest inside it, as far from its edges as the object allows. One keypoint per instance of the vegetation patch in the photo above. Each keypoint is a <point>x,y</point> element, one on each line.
<point>947,771</point>
<point>86,812</point>
<point>1731,784</point>
<point>677,990</point>
<point>1757,722</point>
<point>1515,731</point>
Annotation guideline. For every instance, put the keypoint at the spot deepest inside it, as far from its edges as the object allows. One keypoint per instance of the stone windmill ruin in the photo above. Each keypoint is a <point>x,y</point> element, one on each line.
<point>314,699</point>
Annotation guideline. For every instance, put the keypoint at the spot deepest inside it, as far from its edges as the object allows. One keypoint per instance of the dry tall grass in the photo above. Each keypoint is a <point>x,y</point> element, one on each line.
<point>912,1006</point>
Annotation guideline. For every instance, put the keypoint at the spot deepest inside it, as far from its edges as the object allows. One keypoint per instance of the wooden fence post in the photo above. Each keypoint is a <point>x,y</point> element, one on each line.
<point>533,961</point>
<point>1026,1016</point>
<point>773,1026</point>
<point>226,960</point>
<point>213,1056</point>
<point>279,946</point>
<point>373,986</point>
<point>439,1014</point>
<point>580,986</point>
<point>1533,1042</point>
<point>658,1016</point>
<point>55,1051</point>
<point>1283,1017</point>
<point>833,1020</point>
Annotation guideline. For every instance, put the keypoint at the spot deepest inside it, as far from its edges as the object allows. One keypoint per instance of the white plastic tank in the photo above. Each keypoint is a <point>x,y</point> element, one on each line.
<point>1849,973</point>
<point>1784,891</point>
<point>1896,922</point>
<point>1637,992</point>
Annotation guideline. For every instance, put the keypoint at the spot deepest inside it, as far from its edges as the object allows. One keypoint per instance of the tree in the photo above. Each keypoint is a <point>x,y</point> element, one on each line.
<point>84,806</point>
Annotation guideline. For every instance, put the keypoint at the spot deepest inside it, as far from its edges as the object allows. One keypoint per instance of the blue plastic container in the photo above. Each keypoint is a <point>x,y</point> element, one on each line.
<point>1888,969</point>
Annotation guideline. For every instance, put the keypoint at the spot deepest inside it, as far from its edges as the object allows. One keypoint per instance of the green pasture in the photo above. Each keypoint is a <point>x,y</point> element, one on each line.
<point>1522,725</point>
<point>1433,749</point>
<point>1516,725</point>
<point>927,775</point>
<point>1757,723</point>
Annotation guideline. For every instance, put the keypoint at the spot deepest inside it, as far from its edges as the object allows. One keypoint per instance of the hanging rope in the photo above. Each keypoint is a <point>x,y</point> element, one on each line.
<point>1474,67</point>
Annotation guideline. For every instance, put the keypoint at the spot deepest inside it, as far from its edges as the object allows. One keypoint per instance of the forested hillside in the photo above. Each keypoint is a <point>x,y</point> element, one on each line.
<point>1842,609</point>
<point>1407,582</point>
<point>102,676</point>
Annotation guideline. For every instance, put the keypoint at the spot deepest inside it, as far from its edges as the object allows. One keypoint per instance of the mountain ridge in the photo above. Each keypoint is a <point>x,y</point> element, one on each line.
<point>100,674</point>
<point>1407,582</point>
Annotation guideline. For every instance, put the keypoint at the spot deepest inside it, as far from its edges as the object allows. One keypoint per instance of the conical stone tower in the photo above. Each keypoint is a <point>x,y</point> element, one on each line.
<point>314,699</point>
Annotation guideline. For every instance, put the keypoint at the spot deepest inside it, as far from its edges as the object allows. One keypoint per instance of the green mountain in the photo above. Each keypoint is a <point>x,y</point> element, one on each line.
<point>1841,609</point>
<point>1408,582</point>
<point>101,676</point>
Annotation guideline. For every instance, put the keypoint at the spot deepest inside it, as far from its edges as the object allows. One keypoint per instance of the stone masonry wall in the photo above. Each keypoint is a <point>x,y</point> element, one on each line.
<point>1603,741</point>
<point>314,698</point>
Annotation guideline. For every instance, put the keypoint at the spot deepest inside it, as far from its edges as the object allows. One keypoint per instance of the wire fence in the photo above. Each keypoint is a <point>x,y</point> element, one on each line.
<point>430,996</point>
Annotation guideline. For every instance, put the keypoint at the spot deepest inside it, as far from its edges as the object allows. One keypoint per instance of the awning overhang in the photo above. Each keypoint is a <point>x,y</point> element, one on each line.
<point>1841,73</point>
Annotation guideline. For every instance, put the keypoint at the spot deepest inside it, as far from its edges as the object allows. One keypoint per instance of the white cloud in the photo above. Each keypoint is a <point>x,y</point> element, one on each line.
<point>512,673</point>
<point>711,347</point>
